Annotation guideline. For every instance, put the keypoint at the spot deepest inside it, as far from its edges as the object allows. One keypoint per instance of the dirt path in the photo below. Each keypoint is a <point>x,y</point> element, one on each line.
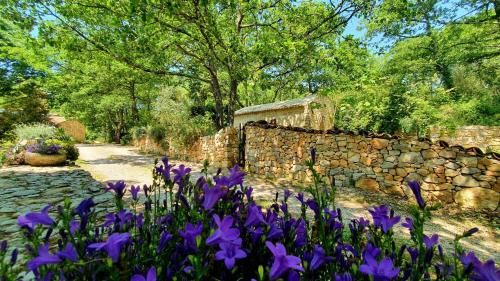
<point>107,162</point>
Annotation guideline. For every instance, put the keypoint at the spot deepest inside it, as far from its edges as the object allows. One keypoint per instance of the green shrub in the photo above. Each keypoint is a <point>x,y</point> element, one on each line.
<point>157,133</point>
<point>138,132</point>
<point>34,131</point>
<point>68,147</point>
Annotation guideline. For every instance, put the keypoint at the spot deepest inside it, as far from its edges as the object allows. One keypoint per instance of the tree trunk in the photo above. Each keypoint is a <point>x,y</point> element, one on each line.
<point>133,97</point>
<point>219,106</point>
<point>233,92</point>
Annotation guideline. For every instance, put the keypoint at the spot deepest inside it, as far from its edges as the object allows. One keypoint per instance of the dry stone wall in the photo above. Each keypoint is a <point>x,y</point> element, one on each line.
<point>447,174</point>
<point>487,138</point>
<point>221,149</point>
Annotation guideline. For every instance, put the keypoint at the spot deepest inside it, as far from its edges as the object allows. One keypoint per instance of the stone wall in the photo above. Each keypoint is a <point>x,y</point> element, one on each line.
<point>221,149</point>
<point>484,137</point>
<point>447,174</point>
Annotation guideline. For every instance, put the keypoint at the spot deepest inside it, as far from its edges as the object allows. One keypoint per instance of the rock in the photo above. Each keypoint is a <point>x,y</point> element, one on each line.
<point>470,171</point>
<point>367,184</point>
<point>468,161</point>
<point>485,178</point>
<point>451,173</point>
<point>444,196</point>
<point>478,198</point>
<point>448,154</point>
<point>452,165</point>
<point>411,157</point>
<point>433,178</point>
<point>494,167</point>
<point>429,154</point>
<point>379,143</point>
<point>354,158</point>
<point>401,172</point>
<point>466,181</point>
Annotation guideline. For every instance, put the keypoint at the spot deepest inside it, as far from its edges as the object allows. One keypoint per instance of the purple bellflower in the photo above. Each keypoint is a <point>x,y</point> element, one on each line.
<point>43,258</point>
<point>383,271</point>
<point>69,253</point>
<point>415,188</point>
<point>180,173</point>
<point>224,233</point>
<point>319,257</point>
<point>343,277</point>
<point>282,262</point>
<point>230,252</point>
<point>431,241</point>
<point>84,207</point>
<point>486,272</point>
<point>255,216</point>
<point>382,219</point>
<point>31,220</point>
<point>151,276</point>
<point>134,190</point>
<point>164,238</point>
<point>190,233</point>
<point>212,196</point>
<point>118,188</point>
<point>113,245</point>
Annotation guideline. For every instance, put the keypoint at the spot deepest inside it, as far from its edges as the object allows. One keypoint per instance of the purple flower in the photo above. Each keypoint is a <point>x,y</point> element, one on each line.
<point>68,253</point>
<point>319,257</point>
<point>44,257</point>
<point>343,277</point>
<point>113,245</point>
<point>314,206</point>
<point>31,220</point>
<point>212,196</point>
<point>255,216</point>
<point>84,207</point>
<point>134,190</point>
<point>415,188</point>
<point>470,232</point>
<point>256,234</point>
<point>431,241</point>
<point>408,223</point>
<point>180,173</point>
<point>371,251</point>
<point>382,219</point>
<point>164,238</point>
<point>230,252</point>
<point>300,197</point>
<point>300,234</point>
<point>313,155</point>
<point>469,259</point>
<point>282,262</point>
<point>139,220</point>
<point>190,233</point>
<point>382,271</point>
<point>486,272</point>
<point>248,193</point>
<point>224,233</point>
<point>275,232</point>
<point>287,193</point>
<point>236,176</point>
<point>118,187</point>
<point>413,254</point>
<point>151,276</point>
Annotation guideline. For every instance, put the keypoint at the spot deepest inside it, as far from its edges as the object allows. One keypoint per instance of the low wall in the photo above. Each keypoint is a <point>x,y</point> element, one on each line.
<point>221,149</point>
<point>447,174</point>
<point>484,137</point>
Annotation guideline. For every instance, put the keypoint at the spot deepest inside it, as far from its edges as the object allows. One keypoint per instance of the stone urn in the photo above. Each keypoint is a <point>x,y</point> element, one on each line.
<point>37,159</point>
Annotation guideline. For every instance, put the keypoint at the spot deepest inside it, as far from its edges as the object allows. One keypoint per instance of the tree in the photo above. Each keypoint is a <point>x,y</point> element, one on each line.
<point>219,43</point>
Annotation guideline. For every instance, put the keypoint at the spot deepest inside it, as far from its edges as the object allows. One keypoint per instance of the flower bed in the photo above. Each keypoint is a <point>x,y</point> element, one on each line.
<point>38,159</point>
<point>213,230</point>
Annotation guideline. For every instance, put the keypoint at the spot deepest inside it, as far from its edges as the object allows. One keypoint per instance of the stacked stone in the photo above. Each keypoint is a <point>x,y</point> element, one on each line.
<point>375,164</point>
<point>487,138</point>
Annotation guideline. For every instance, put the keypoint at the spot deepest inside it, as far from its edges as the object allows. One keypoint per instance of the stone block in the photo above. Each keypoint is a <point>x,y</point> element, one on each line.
<point>493,167</point>
<point>367,184</point>
<point>451,173</point>
<point>468,161</point>
<point>411,157</point>
<point>379,143</point>
<point>465,181</point>
<point>429,154</point>
<point>448,154</point>
<point>433,178</point>
<point>478,198</point>
<point>470,171</point>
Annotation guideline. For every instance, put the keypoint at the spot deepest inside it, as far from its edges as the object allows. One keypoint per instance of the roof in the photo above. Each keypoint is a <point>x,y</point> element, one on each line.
<point>276,105</point>
<point>55,119</point>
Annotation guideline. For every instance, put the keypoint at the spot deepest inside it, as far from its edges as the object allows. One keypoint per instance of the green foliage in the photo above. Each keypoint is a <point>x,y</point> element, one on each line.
<point>157,133</point>
<point>35,131</point>
<point>68,147</point>
<point>138,132</point>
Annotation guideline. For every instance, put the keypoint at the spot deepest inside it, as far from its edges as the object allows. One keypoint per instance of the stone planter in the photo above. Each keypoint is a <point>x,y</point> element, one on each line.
<point>37,159</point>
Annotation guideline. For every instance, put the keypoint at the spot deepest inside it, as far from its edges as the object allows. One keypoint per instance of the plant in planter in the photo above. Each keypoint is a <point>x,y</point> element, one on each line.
<point>41,154</point>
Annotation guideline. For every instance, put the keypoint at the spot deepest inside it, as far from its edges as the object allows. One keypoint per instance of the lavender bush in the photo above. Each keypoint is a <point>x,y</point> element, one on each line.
<point>214,230</point>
